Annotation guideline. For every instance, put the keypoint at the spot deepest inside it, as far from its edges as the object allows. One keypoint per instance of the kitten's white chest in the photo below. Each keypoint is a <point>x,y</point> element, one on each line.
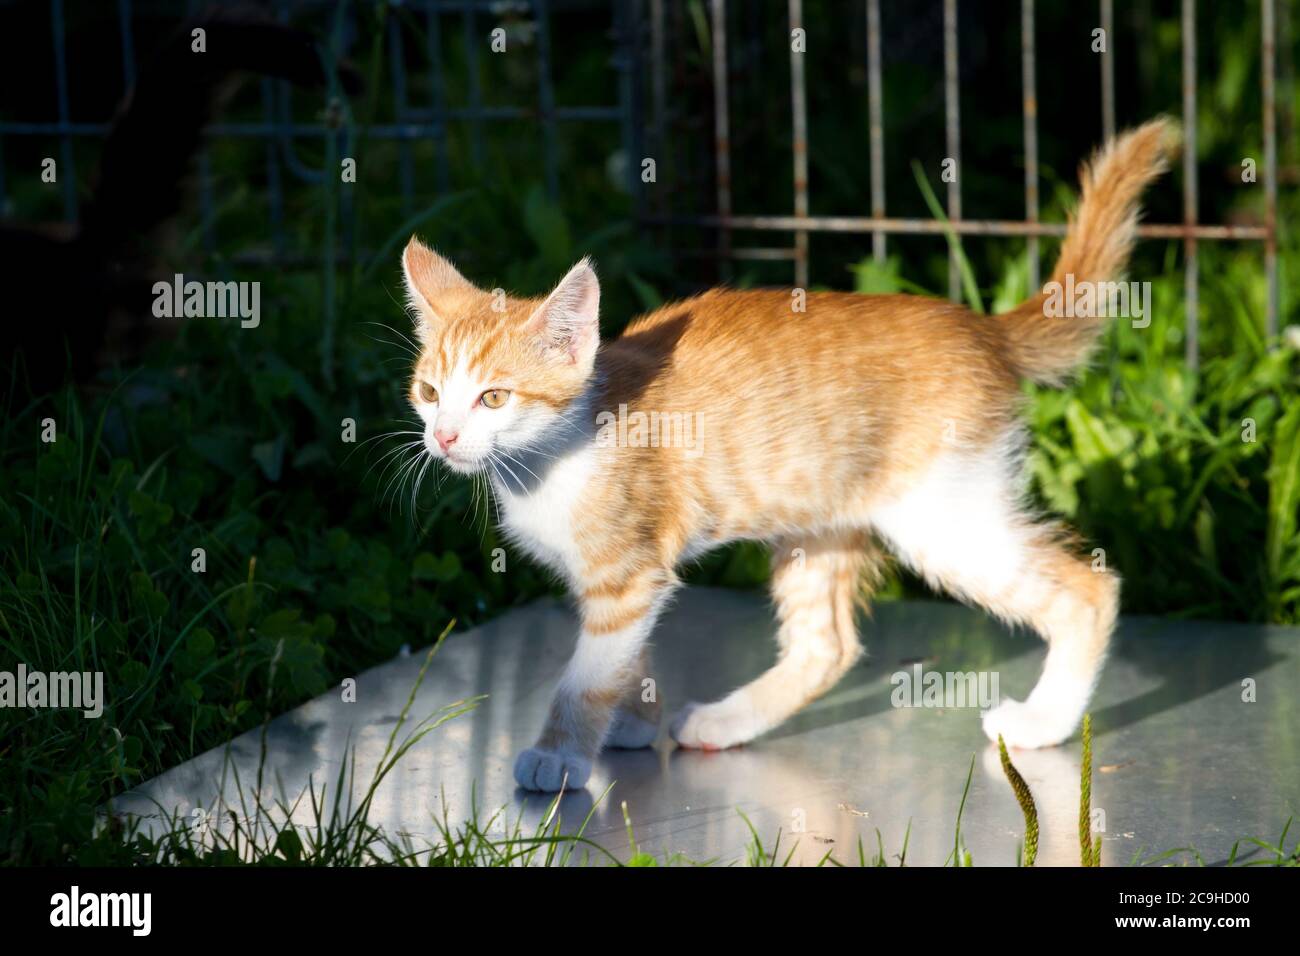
<point>542,521</point>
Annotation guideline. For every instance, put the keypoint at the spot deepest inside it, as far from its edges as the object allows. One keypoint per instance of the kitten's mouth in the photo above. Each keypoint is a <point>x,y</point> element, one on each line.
<point>464,466</point>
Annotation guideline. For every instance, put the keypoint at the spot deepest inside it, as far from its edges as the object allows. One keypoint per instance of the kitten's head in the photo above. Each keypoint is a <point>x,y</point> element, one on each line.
<point>495,373</point>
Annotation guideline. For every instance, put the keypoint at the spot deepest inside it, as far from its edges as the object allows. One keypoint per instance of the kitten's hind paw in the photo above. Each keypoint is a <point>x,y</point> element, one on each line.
<point>551,771</point>
<point>1028,726</point>
<point>714,726</point>
<point>631,731</point>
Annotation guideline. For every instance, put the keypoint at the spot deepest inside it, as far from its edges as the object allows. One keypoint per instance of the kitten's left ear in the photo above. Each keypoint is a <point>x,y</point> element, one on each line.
<point>569,319</point>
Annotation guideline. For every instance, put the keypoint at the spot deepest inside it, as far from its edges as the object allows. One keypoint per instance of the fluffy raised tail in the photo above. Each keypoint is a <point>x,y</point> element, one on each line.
<point>1045,345</point>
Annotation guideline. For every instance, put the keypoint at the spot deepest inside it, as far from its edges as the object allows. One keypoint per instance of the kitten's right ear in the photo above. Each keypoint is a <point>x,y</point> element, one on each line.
<point>428,277</point>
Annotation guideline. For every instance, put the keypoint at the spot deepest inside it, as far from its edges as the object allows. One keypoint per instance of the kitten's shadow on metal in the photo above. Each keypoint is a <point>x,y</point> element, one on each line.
<point>1191,663</point>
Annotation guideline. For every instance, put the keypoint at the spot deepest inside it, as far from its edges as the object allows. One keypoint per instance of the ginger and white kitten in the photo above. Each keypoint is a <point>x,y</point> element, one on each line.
<point>866,420</point>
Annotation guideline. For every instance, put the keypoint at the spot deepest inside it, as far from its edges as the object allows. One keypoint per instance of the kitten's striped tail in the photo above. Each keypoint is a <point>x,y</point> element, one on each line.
<point>1044,347</point>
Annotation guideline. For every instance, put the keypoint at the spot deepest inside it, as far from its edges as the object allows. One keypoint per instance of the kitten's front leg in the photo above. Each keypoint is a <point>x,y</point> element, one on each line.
<point>616,623</point>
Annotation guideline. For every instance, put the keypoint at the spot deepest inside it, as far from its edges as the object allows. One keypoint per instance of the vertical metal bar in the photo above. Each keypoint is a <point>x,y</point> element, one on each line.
<point>721,134</point>
<point>1108,70</point>
<point>659,91</point>
<point>475,94</point>
<point>1107,134</point>
<point>876,122</point>
<point>433,19</point>
<point>207,209</point>
<point>638,84</point>
<point>1029,97</point>
<point>1286,73</point>
<point>1146,52</point>
<point>279,147</point>
<point>1267,52</point>
<point>627,20</point>
<point>952,115</point>
<point>546,98</point>
<point>128,42</point>
<point>799,146</point>
<point>67,173</point>
<point>405,163</point>
<point>274,195</point>
<point>1190,192</point>
<point>329,245</point>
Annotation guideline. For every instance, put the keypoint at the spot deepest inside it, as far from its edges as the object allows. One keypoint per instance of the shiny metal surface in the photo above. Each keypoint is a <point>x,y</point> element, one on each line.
<point>1180,758</point>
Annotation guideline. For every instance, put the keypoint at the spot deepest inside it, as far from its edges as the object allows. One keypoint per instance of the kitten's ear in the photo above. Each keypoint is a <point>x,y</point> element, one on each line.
<point>569,318</point>
<point>428,277</point>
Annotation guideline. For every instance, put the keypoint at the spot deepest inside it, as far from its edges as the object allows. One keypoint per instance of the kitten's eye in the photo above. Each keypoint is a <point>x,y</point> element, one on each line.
<point>428,393</point>
<point>494,398</point>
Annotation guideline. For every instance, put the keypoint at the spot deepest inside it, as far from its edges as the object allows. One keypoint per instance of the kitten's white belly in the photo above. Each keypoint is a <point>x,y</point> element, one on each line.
<point>541,522</point>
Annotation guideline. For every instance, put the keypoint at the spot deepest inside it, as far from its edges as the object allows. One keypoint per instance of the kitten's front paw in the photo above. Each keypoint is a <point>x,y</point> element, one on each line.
<point>712,726</point>
<point>551,770</point>
<point>1028,726</point>
<point>630,731</point>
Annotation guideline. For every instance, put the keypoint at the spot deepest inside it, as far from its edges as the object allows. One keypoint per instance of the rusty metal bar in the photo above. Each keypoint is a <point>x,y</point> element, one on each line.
<point>1108,70</point>
<point>967,227</point>
<point>875,115</point>
<point>952,128</point>
<point>721,134</point>
<point>799,145</point>
<point>1267,50</point>
<point>753,253</point>
<point>1029,97</point>
<point>1190,192</point>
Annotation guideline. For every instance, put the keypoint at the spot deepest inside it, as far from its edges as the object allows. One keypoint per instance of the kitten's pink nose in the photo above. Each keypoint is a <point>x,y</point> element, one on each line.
<point>445,438</point>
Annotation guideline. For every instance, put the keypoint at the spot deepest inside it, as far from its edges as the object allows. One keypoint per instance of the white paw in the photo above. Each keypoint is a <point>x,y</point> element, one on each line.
<point>631,731</point>
<point>1029,726</point>
<point>713,726</point>
<point>551,770</point>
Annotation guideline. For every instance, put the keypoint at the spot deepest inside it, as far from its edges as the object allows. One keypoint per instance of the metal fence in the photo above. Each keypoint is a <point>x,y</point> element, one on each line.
<point>412,121</point>
<point>634,22</point>
<point>879,225</point>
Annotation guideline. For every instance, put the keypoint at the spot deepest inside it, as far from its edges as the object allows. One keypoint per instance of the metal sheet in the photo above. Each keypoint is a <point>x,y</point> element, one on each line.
<point>1179,759</point>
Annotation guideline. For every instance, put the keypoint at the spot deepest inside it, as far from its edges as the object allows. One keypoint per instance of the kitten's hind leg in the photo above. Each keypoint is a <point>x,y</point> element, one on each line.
<point>1074,606</point>
<point>636,718</point>
<point>961,527</point>
<point>815,584</point>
